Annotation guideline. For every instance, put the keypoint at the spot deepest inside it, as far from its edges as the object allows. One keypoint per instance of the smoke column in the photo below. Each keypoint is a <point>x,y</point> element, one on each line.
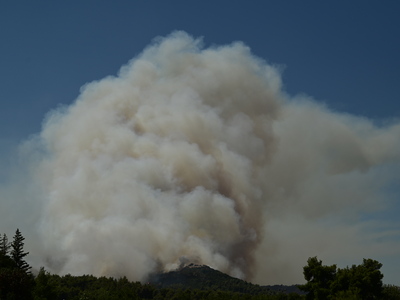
<point>197,155</point>
<point>164,163</point>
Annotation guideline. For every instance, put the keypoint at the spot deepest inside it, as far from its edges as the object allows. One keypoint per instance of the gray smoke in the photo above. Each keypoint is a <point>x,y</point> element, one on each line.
<point>197,155</point>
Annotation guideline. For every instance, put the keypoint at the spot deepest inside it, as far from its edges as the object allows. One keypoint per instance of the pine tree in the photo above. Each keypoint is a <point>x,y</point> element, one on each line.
<point>17,252</point>
<point>4,245</point>
<point>5,259</point>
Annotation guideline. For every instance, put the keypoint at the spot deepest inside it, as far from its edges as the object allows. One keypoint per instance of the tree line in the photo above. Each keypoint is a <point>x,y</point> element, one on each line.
<point>323,282</point>
<point>358,282</point>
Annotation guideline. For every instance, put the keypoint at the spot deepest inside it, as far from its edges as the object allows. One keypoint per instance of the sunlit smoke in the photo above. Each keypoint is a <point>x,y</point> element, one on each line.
<point>164,162</point>
<point>198,155</point>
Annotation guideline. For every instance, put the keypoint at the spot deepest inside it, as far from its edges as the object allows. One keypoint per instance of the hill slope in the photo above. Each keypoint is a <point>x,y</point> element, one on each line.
<point>203,278</point>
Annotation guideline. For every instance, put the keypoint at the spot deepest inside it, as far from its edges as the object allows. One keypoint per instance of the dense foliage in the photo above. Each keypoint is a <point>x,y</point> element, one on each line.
<point>89,287</point>
<point>362,282</point>
<point>192,282</point>
<point>16,281</point>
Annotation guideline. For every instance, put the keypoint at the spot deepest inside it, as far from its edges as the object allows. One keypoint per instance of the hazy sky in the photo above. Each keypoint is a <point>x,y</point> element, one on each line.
<point>343,54</point>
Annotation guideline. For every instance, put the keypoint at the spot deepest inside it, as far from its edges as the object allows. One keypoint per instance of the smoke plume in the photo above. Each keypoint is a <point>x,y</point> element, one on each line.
<point>198,155</point>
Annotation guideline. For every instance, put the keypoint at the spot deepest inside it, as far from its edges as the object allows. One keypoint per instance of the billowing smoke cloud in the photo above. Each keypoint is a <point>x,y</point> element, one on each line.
<point>197,155</point>
<point>163,164</point>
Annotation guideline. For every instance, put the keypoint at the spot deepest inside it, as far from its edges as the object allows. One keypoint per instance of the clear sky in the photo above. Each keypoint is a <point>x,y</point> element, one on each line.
<point>344,54</point>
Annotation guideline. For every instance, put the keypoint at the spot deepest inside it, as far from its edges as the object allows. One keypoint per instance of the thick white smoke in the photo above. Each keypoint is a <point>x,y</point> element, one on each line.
<point>163,164</point>
<point>194,154</point>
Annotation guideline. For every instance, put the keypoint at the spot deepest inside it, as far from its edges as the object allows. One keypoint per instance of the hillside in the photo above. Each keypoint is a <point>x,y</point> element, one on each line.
<point>203,277</point>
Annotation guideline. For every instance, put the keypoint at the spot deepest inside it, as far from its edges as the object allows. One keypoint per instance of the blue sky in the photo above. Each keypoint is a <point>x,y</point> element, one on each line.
<point>344,54</point>
<point>339,52</point>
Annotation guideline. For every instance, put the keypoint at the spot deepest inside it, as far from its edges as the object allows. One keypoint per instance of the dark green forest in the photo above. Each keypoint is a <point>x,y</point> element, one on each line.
<point>17,282</point>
